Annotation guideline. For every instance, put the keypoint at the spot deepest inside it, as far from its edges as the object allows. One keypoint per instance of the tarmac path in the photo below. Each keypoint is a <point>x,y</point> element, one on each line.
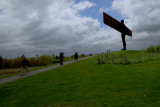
<point>9,79</point>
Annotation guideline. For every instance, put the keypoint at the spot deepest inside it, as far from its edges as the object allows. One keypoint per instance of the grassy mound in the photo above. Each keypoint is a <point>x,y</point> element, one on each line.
<point>86,83</point>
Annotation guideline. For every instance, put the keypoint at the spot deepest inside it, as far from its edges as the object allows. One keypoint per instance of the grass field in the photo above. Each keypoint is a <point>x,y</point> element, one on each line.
<point>131,56</point>
<point>87,84</point>
<point>4,73</point>
<point>13,72</point>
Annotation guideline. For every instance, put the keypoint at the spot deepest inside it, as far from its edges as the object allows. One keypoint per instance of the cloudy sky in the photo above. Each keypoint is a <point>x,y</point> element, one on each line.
<point>33,27</point>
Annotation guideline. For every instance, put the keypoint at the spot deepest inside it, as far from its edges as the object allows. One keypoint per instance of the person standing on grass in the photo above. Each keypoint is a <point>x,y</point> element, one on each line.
<point>61,57</point>
<point>76,56</point>
<point>24,65</point>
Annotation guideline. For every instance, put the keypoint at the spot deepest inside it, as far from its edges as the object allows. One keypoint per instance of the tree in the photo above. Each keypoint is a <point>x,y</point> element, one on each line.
<point>53,56</point>
<point>150,49</point>
<point>45,59</point>
<point>1,62</point>
<point>37,56</point>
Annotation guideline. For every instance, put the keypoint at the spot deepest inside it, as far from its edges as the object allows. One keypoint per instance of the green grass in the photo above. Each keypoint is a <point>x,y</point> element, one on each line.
<point>35,68</point>
<point>9,75</point>
<point>17,73</point>
<point>132,56</point>
<point>86,83</point>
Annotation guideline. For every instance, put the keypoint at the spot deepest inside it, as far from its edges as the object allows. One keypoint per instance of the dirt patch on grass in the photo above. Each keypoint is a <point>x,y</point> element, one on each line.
<point>8,73</point>
<point>11,71</point>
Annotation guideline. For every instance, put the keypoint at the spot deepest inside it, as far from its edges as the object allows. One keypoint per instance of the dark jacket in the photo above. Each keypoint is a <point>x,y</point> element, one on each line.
<point>24,62</point>
<point>76,55</point>
<point>61,55</point>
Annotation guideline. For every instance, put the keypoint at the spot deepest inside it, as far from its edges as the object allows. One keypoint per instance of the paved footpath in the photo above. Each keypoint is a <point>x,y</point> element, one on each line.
<point>9,79</point>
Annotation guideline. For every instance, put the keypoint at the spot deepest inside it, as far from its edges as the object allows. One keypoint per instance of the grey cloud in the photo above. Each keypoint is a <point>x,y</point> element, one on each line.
<point>142,15</point>
<point>43,26</point>
<point>143,19</point>
<point>50,26</point>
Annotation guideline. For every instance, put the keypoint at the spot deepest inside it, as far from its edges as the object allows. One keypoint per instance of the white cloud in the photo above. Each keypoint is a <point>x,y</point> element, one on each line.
<point>46,27</point>
<point>51,26</point>
<point>142,16</point>
<point>83,5</point>
<point>104,10</point>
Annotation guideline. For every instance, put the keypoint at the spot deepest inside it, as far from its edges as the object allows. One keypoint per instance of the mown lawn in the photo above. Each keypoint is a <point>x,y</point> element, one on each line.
<point>18,71</point>
<point>86,83</point>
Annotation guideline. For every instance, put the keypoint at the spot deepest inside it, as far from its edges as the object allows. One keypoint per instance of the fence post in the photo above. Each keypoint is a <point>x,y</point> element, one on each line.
<point>102,58</point>
<point>121,57</point>
<point>112,58</point>
<point>99,59</point>
<point>140,57</point>
<point>107,54</point>
<point>149,56</point>
<point>125,59</point>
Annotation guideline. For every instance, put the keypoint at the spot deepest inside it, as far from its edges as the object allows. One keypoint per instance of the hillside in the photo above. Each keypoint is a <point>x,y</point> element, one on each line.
<point>86,83</point>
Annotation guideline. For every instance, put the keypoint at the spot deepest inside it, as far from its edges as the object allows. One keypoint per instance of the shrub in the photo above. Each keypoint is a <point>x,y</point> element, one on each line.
<point>150,49</point>
<point>1,62</point>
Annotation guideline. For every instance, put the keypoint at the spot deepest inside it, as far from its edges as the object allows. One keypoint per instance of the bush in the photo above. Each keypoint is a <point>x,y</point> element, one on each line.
<point>1,62</point>
<point>45,60</point>
<point>16,63</point>
<point>157,48</point>
<point>33,62</point>
<point>150,49</point>
<point>7,63</point>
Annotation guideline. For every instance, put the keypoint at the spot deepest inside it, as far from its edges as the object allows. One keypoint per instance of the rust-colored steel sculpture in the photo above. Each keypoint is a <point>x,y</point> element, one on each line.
<point>110,21</point>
